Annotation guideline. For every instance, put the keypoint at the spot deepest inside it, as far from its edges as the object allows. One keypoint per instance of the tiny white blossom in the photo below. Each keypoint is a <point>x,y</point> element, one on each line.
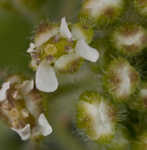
<point>45,79</point>
<point>86,52</point>
<point>24,133</point>
<point>3,91</point>
<point>64,30</point>
<point>45,127</point>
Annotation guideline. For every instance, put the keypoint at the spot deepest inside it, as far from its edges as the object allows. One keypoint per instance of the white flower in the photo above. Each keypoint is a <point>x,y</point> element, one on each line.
<point>3,91</point>
<point>20,117</point>
<point>24,133</point>
<point>44,126</point>
<point>46,80</point>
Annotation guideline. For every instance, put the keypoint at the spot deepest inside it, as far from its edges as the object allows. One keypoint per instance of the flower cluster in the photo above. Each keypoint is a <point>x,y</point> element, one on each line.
<point>21,106</point>
<point>59,48</point>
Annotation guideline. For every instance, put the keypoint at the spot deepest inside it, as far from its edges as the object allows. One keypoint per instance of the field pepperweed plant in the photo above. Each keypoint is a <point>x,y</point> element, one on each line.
<point>85,84</point>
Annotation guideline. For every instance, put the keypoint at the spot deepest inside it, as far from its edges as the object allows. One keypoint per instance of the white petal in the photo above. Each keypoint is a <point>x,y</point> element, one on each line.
<point>45,127</point>
<point>64,30</point>
<point>64,60</point>
<point>24,133</point>
<point>45,36</point>
<point>87,52</point>
<point>78,34</point>
<point>3,91</point>
<point>46,80</point>
<point>31,48</point>
<point>27,86</point>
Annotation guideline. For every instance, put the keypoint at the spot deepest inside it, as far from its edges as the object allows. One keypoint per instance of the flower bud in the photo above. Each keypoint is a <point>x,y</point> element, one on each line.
<point>121,79</point>
<point>96,117</point>
<point>130,39</point>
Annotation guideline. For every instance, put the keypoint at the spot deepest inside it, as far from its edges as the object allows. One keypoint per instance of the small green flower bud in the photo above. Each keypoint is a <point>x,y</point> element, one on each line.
<point>130,39</point>
<point>21,106</point>
<point>96,117</point>
<point>121,79</point>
